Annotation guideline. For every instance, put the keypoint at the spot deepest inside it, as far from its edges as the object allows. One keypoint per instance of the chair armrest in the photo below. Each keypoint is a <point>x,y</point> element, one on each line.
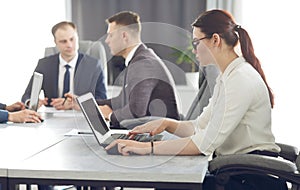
<point>224,167</point>
<point>288,152</point>
<point>252,162</point>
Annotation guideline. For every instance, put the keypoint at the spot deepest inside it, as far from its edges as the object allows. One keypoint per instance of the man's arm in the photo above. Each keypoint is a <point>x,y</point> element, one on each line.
<point>100,91</point>
<point>2,106</point>
<point>101,102</point>
<point>27,93</point>
<point>3,116</point>
<point>26,96</point>
<point>138,104</point>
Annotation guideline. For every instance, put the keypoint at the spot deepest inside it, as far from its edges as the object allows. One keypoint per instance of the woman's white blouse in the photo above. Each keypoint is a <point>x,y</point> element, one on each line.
<point>238,116</point>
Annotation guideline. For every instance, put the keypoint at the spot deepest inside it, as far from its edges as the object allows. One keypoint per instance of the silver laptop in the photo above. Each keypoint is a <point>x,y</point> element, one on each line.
<point>35,91</point>
<point>100,127</point>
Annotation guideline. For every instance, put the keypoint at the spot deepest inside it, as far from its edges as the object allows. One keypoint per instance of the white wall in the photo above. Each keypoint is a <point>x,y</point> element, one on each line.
<point>25,32</point>
<point>274,28</point>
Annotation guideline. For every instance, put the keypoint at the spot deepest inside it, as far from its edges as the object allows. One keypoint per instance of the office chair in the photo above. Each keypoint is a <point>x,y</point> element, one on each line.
<point>280,171</point>
<point>207,81</point>
<point>92,48</point>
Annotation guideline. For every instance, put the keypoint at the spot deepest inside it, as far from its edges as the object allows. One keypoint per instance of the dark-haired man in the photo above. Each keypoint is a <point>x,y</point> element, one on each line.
<point>148,87</point>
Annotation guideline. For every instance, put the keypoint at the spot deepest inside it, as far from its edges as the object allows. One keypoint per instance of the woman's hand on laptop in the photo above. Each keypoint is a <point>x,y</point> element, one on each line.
<point>127,147</point>
<point>152,127</point>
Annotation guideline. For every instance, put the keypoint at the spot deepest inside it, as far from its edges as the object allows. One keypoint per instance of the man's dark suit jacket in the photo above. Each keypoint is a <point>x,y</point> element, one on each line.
<point>148,89</point>
<point>2,106</point>
<point>88,77</point>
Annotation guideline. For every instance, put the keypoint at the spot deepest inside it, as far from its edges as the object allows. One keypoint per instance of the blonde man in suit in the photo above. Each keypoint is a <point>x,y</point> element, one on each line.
<point>85,72</point>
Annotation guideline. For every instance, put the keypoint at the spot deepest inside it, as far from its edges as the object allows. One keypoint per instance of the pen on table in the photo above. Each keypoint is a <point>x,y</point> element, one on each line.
<point>82,133</point>
<point>64,101</point>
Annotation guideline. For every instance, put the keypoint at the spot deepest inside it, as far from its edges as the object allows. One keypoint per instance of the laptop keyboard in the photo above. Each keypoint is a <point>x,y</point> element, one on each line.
<point>140,137</point>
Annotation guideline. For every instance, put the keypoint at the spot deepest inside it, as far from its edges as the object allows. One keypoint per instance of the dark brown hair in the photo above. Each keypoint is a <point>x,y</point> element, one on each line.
<point>222,23</point>
<point>126,18</point>
<point>62,24</point>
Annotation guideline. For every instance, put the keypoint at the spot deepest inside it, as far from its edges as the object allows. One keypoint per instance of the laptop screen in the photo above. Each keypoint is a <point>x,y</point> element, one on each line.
<point>35,90</point>
<point>94,117</point>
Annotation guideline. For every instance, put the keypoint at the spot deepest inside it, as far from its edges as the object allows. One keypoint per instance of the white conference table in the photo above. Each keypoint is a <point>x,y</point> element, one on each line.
<point>20,141</point>
<point>50,157</point>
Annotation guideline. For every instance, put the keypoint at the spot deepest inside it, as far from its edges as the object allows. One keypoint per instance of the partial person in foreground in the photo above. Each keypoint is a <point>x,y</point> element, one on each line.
<point>18,114</point>
<point>237,119</point>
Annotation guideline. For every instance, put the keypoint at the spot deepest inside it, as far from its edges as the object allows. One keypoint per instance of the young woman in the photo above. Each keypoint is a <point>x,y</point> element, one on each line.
<point>237,119</point>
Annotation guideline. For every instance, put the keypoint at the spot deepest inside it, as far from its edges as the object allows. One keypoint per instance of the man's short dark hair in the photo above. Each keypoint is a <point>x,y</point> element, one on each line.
<point>126,18</point>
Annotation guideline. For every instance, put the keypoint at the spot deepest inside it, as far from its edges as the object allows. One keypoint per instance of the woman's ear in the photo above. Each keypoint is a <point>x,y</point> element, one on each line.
<point>216,39</point>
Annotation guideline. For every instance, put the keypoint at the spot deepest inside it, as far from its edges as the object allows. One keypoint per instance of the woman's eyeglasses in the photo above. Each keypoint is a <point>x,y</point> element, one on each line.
<point>196,42</point>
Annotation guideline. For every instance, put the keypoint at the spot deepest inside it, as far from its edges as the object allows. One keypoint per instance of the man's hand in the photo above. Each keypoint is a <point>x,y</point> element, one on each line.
<point>15,107</point>
<point>67,103</point>
<point>106,111</point>
<point>24,116</point>
<point>43,102</point>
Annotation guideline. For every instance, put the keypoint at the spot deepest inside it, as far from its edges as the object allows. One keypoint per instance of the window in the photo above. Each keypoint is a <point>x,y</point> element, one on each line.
<point>273,28</point>
<point>25,32</point>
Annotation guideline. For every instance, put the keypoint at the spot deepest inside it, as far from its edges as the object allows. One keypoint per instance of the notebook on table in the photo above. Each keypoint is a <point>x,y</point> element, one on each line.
<point>100,127</point>
<point>35,91</point>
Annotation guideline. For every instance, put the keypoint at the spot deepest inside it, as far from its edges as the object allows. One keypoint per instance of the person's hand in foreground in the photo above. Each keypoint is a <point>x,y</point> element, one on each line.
<point>15,107</point>
<point>24,116</point>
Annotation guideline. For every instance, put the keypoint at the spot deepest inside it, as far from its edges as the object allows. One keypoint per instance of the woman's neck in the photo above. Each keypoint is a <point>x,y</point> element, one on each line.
<point>225,59</point>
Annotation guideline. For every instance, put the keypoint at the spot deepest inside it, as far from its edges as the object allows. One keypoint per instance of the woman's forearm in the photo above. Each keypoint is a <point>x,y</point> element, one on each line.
<point>179,128</point>
<point>182,146</point>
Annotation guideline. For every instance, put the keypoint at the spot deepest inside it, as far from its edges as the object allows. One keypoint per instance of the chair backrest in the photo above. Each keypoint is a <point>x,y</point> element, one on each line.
<point>207,81</point>
<point>298,162</point>
<point>92,48</point>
